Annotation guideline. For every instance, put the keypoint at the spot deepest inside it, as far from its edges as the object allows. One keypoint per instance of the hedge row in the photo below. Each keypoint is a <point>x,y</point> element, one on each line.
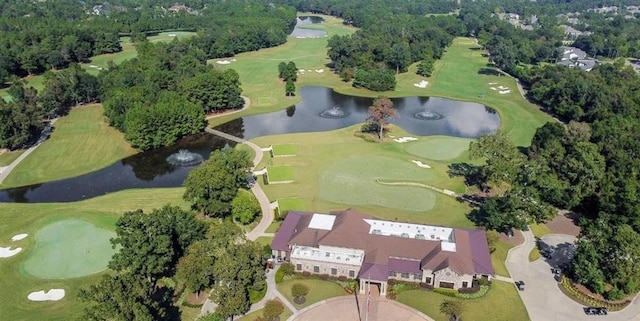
<point>575,294</point>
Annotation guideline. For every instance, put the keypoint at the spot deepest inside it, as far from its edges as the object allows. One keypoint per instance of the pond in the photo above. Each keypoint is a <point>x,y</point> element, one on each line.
<point>320,109</point>
<point>303,28</point>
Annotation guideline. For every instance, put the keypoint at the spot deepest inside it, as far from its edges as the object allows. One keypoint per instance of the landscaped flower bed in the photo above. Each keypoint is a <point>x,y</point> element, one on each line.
<point>570,290</point>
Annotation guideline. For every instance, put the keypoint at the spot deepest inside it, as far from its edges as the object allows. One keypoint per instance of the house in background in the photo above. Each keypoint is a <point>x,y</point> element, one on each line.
<point>358,246</point>
<point>576,58</point>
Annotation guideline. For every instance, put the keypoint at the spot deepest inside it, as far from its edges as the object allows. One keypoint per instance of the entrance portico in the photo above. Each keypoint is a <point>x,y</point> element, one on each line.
<point>365,284</point>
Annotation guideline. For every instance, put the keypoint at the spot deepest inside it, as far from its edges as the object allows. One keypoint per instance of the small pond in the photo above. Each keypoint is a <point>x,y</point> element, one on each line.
<point>320,109</point>
<point>304,30</point>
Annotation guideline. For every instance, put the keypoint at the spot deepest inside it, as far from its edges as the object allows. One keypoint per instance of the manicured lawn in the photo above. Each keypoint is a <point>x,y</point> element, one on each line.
<point>256,314</point>
<point>288,204</point>
<point>501,303</point>
<point>440,148</point>
<point>336,170</point>
<point>318,290</point>
<point>539,230</point>
<point>7,158</point>
<point>499,256</point>
<point>81,143</point>
<point>284,150</point>
<point>461,74</point>
<point>101,212</point>
<point>280,173</point>
<point>264,240</point>
<point>534,254</point>
<point>273,227</point>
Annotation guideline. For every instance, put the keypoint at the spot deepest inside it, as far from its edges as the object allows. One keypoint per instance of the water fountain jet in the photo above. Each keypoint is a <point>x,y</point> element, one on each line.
<point>184,158</point>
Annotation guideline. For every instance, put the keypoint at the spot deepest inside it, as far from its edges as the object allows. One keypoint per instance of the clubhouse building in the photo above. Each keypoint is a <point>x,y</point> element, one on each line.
<point>359,246</point>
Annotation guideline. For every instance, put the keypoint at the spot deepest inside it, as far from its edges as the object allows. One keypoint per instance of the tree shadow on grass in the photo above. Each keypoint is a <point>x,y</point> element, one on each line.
<point>489,72</point>
<point>472,175</point>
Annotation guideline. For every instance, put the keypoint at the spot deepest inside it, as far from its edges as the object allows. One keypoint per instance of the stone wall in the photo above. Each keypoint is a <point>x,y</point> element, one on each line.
<point>325,267</point>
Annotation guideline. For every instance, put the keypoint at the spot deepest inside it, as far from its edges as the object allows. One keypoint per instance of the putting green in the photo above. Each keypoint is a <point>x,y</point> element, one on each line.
<point>69,249</point>
<point>439,148</point>
<point>352,181</point>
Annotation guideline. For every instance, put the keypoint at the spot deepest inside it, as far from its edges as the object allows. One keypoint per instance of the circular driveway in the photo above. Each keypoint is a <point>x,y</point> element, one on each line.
<point>346,308</point>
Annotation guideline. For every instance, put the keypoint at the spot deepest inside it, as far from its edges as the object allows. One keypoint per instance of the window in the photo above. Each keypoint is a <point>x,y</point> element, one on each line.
<point>298,267</point>
<point>446,285</point>
<point>417,276</point>
<point>405,275</point>
<point>392,273</point>
<point>464,284</point>
<point>427,280</point>
<point>316,269</point>
<point>352,274</point>
<point>334,271</point>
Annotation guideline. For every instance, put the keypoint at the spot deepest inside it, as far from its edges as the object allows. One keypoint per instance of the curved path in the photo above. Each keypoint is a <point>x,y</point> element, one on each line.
<point>5,171</point>
<point>542,297</point>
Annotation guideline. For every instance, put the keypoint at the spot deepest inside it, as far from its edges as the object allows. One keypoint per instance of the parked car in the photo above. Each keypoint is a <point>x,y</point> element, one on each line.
<point>520,285</point>
<point>556,271</point>
<point>595,311</point>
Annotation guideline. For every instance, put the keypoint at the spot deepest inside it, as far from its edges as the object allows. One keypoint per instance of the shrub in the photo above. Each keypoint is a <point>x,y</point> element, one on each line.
<point>279,275</point>
<point>484,281</point>
<point>286,268</point>
<point>392,282</point>
<point>483,289</point>
<point>306,274</point>
<point>473,289</point>
<point>448,292</point>
<point>426,286</point>
<point>324,277</point>
<point>272,309</point>
<point>342,278</point>
<point>299,290</point>
<point>615,294</point>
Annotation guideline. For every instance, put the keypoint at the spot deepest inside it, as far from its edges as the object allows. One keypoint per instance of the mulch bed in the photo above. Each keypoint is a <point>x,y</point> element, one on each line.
<point>516,239</point>
<point>191,298</point>
<point>300,300</point>
<point>565,223</point>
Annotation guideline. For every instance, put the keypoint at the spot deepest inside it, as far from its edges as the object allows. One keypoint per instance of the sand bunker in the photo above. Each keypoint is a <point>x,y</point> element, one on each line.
<point>223,62</point>
<point>404,139</point>
<point>8,252</point>
<point>502,92</point>
<point>19,237</point>
<point>319,71</point>
<point>422,84</point>
<point>52,295</point>
<point>420,164</point>
<point>172,35</point>
<point>493,83</point>
<point>493,88</point>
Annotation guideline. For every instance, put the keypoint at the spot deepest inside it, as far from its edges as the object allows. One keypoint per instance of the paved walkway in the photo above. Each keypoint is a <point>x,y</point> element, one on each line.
<point>542,297</point>
<point>5,171</point>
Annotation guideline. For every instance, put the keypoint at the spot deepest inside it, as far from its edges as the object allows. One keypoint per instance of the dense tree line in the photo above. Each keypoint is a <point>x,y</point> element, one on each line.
<point>39,36</point>
<point>589,165</point>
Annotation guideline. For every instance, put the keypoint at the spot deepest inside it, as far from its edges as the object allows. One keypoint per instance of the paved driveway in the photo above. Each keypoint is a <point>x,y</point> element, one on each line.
<point>541,296</point>
<point>346,309</point>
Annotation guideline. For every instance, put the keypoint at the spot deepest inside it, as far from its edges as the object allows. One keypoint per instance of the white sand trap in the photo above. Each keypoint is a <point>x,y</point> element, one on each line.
<point>19,237</point>
<point>493,83</point>
<point>234,59</point>
<point>404,139</point>
<point>172,35</point>
<point>503,87</point>
<point>93,66</point>
<point>421,164</point>
<point>8,252</point>
<point>422,84</point>
<point>503,92</point>
<point>493,88</point>
<point>300,37</point>
<point>309,70</point>
<point>52,295</point>
<point>319,71</point>
<point>223,62</point>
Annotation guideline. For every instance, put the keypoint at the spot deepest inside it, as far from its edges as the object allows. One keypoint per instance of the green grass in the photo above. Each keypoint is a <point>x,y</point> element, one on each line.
<point>81,143</point>
<point>318,290</point>
<point>273,227</point>
<point>322,166</point>
<point>539,230</point>
<point>68,249</point>
<point>287,204</point>
<point>101,212</point>
<point>498,258</point>
<point>7,158</point>
<point>534,254</point>
<point>284,150</point>
<point>458,76</point>
<point>257,314</point>
<point>439,148</point>
<point>280,173</point>
<point>264,240</point>
<point>501,303</point>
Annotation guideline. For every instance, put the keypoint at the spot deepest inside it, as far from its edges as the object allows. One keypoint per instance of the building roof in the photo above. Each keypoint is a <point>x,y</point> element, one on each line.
<point>394,245</point>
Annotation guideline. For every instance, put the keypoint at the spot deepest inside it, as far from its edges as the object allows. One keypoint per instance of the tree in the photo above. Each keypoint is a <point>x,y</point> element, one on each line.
<point>452,308</point>
<point>288,71</point>
<point>299,290</point>
<point>492,240</point>
<point>122,297</point>
<point>214,90</point>
<point>425,67</point>
<point>212,186</point>
<point>151,244</point>
<point>195,269</point>
<point>245,207</point>
<point>232,300</point>
<point>272,309</point>
<point>502,158</point>
<point>400,57</point>
<point>290,88</point>
<point>380,113</point>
